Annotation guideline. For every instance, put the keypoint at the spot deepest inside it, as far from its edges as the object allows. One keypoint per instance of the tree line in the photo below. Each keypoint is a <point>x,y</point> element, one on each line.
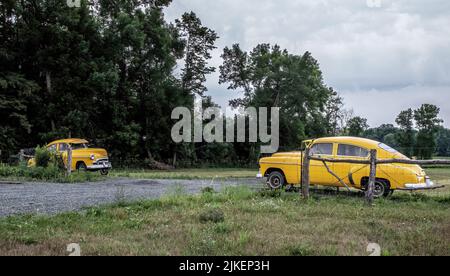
<point>419,133</point>
<point>112,72</point>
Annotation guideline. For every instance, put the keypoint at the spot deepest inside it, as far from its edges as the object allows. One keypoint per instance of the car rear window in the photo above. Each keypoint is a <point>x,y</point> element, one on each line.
<point>350,150</point>
<point>325,149</point>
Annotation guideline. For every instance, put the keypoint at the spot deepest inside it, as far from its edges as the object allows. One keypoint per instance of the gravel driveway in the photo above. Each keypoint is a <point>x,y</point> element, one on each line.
<point>53,198</point>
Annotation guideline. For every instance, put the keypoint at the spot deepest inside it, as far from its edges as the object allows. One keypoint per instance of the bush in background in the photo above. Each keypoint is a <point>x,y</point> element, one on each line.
<point>43,157</point>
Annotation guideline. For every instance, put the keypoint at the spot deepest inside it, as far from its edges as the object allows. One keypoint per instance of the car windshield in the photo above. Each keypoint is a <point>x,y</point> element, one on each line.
<point>387,148</point>
<point>79,146</point>
<point>391,150</point>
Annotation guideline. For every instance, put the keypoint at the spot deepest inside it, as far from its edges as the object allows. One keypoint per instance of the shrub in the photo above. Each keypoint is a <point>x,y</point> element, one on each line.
<point>208,190</point>
<point>42,157</point>
<point>212,215</point>
<point>300,250</point>
<point>7,171</point>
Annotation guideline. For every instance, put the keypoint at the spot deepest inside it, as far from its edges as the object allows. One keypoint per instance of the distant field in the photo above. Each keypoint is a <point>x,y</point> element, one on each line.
<point>187,173</point>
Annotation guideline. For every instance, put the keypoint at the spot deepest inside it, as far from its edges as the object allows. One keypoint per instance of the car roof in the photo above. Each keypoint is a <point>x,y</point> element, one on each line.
<point>367,143</point>
<point>69,141</point>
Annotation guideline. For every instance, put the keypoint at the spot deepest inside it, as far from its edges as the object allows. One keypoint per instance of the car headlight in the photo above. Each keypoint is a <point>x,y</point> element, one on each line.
<point>420,178</point>
<point>92,157</point>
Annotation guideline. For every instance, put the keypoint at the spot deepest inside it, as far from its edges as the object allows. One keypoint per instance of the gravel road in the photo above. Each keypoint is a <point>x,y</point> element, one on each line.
<point>53,198</point>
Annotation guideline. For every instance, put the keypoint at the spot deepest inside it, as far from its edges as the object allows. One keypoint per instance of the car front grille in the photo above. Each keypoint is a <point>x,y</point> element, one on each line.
<point>101,161</point>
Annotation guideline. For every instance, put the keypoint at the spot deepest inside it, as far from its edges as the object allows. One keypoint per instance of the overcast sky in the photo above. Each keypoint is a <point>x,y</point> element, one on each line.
<point>382,56</point>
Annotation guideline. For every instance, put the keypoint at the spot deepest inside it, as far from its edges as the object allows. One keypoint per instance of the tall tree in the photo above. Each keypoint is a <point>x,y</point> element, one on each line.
<point>199,42</point>
<point>269,76</point>
<point>443,142</point>
<point>428,122</point>
<point>334,113</point>
<point>406,137</point>
<point>357,126</point>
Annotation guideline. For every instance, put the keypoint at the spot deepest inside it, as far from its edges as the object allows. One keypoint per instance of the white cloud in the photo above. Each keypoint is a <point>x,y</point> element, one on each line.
<point>383,106</point>
<point>364,52</point>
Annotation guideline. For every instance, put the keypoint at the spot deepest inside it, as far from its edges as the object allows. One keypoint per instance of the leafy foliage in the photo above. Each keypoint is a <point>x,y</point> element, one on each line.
<point>269,76</point>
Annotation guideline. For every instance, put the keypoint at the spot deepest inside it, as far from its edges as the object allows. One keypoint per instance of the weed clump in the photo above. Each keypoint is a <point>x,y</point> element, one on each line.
<point>208,190</point>
<point>212,215</point>
<point>269,193</point>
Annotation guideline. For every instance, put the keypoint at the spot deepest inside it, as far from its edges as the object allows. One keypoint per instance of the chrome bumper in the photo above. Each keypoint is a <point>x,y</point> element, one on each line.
<point>103,166</point>
<point>428,185</point>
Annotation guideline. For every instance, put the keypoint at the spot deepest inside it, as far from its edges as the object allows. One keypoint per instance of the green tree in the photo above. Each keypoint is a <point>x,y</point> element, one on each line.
<point>443,142</point>
<point>356,126</point>
<point>16,90</point>
<point>334,113</point>
<point>269,76</point>
<point>406,136</point>
<point>199,41</point>
<point>428,122</point>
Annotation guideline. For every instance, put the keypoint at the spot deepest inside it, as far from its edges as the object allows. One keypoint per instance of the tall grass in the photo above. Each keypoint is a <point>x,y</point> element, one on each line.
<point>51,173</point>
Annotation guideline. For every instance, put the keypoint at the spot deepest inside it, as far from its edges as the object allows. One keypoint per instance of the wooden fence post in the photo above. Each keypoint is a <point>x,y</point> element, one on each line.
<point>69,161</point>
<point>372,177</point>
<point>305,174</point>
<point>21,155</point>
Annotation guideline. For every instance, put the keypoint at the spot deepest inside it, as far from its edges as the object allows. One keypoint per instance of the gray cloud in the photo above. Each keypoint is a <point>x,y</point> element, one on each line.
<point>396,55</point>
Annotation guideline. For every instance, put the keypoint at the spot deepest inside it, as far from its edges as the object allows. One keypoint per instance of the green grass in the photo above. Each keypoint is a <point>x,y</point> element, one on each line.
<point>218,173</point>
<point>49,174</point>
<point>239,221</point>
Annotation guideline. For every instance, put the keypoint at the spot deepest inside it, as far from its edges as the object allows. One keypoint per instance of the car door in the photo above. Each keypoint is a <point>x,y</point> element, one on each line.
<point>347,171</point>
<point>318,172</point>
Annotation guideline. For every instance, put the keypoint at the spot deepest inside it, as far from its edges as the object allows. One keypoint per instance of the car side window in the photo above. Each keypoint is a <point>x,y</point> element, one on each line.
<point>63,147</point>
<point>322,149</point>
<point>349,150</point>
<point>52,148</point>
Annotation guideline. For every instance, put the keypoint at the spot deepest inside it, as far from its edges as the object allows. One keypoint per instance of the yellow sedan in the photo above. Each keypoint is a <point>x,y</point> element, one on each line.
<point>285,168</point>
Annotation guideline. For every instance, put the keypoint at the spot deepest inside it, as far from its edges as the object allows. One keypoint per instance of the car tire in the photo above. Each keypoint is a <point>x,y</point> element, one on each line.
<point>275,180</point>
<point>81,167</point>
<point>104,172</point>
<point>381,189</point>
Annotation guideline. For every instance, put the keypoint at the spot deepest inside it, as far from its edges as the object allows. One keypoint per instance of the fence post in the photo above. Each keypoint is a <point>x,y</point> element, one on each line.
<point>372,177</point>
<point>305,174</point>
<point>21,155</point>
<point>69,161</point>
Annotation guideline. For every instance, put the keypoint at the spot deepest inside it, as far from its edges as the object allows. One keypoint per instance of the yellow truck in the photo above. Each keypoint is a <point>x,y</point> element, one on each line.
<point>285,168</point>
<point>84,158</point>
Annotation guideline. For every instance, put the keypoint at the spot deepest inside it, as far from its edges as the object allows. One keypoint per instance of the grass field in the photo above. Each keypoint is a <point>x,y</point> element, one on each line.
<point>219,173</point>
<point>239,221</point>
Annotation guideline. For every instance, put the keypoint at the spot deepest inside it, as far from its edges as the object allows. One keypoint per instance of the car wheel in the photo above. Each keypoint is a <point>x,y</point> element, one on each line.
<point>81,167</point>
<point>381,189</point>
<point>104,172</point>
<point>275,180</point>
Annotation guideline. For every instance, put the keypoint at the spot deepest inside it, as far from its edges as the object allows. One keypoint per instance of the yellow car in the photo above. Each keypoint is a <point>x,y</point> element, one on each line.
<point>285,168</point>
<point>83,157</point>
